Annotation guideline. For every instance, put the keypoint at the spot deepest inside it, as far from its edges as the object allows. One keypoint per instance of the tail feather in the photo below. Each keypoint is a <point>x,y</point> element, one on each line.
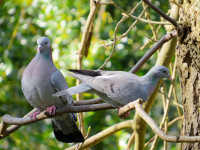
<point>74,90</point>
<point>92,73</point>
<point>66,130</point>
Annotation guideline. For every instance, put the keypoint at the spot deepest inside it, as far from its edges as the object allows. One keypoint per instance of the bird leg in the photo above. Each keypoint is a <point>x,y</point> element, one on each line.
<point>52,110</point>
<point>123,116</point>
<point>33,115</point>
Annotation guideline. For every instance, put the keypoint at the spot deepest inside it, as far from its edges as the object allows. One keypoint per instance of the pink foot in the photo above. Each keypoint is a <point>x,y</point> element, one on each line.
<point>33,116</point>
<point>52,110</point>
<point>123,116</point>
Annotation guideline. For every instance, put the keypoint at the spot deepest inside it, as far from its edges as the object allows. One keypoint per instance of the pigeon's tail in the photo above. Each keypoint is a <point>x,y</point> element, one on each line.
<point>92,73</point>
<point>83,87</point>
<point>66,130</point>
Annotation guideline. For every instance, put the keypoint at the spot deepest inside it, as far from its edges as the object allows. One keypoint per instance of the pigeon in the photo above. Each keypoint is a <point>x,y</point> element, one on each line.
<point>39,81</point>
<point>117,88</point>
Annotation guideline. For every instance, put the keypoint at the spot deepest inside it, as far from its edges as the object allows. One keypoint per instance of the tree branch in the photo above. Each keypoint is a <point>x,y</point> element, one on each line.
<point>130,141</point>
<point>129,29</point>
<point>169,124</point>
<point>163,40</point>
<point>103,134</point>
<point>136,18</point>
<point>174,22</point>
<point>159,132</point>
<point>88,102</point>
<point>84,43</point>
<point>128,107</point>
<point>7,119</point>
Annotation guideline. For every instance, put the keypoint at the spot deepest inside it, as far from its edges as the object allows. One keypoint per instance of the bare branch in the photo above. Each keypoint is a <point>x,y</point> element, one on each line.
<point>159,132</point>
<point>128,107</point>
<point>12,128</point>
<point>126,33</point>
<point>177,104</point>
<point>85,42</point>
<point>88,102</point>
<point>169,124</point>
<point>114,45</point>
<point>7,119</point>
<point>103,134</point>
<point>163,40</point>
<point>136,18</point>
<point>175,120</point>
<point>130,141</point>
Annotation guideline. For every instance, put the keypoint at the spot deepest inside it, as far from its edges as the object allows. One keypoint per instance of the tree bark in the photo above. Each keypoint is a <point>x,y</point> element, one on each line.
<point>188,54</point>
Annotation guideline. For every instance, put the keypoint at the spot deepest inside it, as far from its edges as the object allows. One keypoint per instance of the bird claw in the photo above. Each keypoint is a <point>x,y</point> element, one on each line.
<point>33,115</point>
<point>52,110</point>
<point>123,116</point>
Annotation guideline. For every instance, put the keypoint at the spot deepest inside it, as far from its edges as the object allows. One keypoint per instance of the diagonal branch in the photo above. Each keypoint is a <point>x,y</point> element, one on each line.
<point>159,132</point>
<point>103,134</point>
<point>174,22</point>
<point>163,40</point>
<point>7,119</point>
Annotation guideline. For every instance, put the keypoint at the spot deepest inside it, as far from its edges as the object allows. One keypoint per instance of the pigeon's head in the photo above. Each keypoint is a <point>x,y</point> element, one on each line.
<point>43,44</point>
<point>160,72</point>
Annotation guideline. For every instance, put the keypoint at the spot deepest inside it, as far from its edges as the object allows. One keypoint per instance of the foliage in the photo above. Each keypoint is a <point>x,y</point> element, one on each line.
<point>22,22</point>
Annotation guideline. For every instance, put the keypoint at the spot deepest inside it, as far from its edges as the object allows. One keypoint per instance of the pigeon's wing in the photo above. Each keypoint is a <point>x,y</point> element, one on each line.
<point>123,88</point>
<point>95,73</point>
<point>65,128</point>
<point>60,84</point>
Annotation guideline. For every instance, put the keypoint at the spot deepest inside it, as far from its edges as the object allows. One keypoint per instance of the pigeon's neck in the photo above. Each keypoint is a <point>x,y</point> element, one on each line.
<point>150,81</point>
<point>45,55</point>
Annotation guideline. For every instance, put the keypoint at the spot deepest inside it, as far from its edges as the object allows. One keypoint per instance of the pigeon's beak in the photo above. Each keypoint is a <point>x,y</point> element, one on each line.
<point>39,48</point>
<point>169,77</point>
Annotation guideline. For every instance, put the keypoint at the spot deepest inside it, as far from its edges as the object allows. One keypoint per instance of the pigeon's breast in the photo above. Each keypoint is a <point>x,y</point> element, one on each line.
<point>37,86</point>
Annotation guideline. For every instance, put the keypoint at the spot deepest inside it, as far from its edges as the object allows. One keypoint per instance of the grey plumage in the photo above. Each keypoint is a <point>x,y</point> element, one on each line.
<point>117,87</point>
<point>40,80</point>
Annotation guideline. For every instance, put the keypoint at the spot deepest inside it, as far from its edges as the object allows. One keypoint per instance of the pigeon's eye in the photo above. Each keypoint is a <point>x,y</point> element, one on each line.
<point>164,71</point>
<point>45,43</point>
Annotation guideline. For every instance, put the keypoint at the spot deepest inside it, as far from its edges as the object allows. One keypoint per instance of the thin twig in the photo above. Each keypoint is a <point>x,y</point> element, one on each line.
<point>130,141</point>
<point>174,87</point>
<point>177,104</point>
<point>137,18</point>
<point>88,133</point>
<point>125,33</point>
<point>114,45</point>
<point>175,120</point>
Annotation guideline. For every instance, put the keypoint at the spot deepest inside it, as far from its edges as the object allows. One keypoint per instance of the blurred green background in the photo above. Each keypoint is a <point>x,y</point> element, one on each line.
<point>23,22</point>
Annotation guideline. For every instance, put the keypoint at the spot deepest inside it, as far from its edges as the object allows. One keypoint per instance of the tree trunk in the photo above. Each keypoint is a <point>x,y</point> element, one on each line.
<point>189,70</point>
